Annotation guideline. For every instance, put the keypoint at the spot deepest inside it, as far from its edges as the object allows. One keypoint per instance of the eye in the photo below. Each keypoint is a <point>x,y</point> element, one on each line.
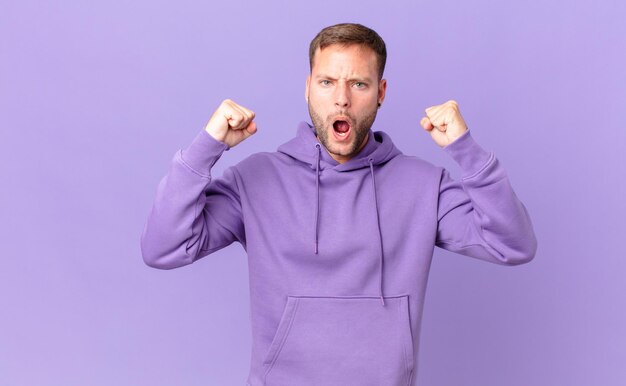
<point>360,85</point>
<point>325,82</point>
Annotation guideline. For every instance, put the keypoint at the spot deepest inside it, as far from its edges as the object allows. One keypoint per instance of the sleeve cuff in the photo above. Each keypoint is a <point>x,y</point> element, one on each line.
<point>203,152</point>
<point>470,156</point>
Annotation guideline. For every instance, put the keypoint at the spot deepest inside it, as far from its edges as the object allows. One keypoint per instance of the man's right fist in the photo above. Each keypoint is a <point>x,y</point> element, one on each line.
<point>231,123</point>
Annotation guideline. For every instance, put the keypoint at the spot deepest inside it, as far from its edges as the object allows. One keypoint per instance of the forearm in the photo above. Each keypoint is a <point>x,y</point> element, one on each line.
<point>175,229</point>
<point>482,216</point>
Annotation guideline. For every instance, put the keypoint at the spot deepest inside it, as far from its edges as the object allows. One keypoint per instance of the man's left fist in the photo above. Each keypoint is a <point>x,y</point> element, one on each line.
<point>447,122</point>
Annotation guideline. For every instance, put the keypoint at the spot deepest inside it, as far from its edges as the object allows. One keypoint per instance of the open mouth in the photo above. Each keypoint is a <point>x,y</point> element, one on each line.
<point>341,128</point>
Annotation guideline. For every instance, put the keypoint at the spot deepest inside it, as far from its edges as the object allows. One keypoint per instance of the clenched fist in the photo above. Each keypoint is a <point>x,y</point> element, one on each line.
<point>447,121</point>
<point>231,123</point>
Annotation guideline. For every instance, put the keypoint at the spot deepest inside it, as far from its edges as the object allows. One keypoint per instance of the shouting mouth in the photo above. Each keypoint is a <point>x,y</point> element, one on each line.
<point>342,129</point>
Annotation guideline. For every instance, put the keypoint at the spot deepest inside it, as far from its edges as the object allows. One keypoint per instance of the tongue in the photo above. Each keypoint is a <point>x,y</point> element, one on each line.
<point>341,126</point>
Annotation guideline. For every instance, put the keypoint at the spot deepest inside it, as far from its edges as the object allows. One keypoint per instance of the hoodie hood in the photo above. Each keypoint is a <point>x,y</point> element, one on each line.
<point>306,147</point>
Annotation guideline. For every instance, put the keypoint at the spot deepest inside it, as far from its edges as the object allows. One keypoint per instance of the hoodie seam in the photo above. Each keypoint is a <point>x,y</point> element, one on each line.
<point>182,160</point>
<point>490,160</point>
<point>238,185</point>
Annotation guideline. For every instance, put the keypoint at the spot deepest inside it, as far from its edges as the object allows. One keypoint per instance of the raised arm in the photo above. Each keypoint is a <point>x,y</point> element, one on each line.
<point>480,215</point>
<point>194,214</point>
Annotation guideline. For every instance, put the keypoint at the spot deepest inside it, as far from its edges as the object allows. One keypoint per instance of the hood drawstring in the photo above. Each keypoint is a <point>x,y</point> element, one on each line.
<point>317,210</point>
<point>317,183</point>
<point>380,235</point>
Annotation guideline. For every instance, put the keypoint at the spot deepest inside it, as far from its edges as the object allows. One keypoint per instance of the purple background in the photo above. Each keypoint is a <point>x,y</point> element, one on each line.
<point>96,99</point>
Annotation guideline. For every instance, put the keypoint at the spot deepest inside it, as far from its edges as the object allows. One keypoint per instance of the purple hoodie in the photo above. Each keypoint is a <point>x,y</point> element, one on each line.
<point>338,254</point>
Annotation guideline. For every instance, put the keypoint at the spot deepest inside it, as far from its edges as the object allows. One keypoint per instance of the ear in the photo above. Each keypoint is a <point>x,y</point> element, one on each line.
<point>306,90</point>
<point>382,87</point>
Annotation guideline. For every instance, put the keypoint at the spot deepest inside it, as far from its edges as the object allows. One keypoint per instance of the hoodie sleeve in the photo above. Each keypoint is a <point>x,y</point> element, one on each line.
<point>193,214</point>
<point>481,216</point>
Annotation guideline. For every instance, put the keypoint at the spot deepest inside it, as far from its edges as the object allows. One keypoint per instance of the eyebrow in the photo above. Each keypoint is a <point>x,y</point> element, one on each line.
<point>358,79</point>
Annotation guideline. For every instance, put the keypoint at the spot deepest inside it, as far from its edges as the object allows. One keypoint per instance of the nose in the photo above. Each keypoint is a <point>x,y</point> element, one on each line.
<point>342,95</point>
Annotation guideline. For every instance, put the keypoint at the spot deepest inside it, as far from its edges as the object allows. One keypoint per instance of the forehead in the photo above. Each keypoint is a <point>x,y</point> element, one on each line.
<point>348,57</point>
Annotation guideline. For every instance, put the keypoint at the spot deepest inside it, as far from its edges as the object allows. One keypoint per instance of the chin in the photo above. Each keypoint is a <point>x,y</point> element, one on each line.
<point>344,150</point>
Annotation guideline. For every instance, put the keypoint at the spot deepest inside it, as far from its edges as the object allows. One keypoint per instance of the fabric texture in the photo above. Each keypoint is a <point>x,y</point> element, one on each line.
<point>338,254</point>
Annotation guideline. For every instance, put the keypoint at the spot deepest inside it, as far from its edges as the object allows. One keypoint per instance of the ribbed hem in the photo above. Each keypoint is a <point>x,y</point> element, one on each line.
<point>470,156</point>
<point>203,152</point>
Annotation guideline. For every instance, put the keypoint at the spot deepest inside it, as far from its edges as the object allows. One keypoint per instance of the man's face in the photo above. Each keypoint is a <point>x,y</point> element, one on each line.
<point>343,93</point>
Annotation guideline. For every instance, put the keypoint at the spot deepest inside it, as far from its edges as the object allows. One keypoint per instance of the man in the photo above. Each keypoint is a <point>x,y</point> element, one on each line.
<point>339,226</point>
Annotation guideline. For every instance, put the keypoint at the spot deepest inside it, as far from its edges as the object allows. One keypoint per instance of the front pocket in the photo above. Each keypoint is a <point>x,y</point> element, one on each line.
<point>341,341</point>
